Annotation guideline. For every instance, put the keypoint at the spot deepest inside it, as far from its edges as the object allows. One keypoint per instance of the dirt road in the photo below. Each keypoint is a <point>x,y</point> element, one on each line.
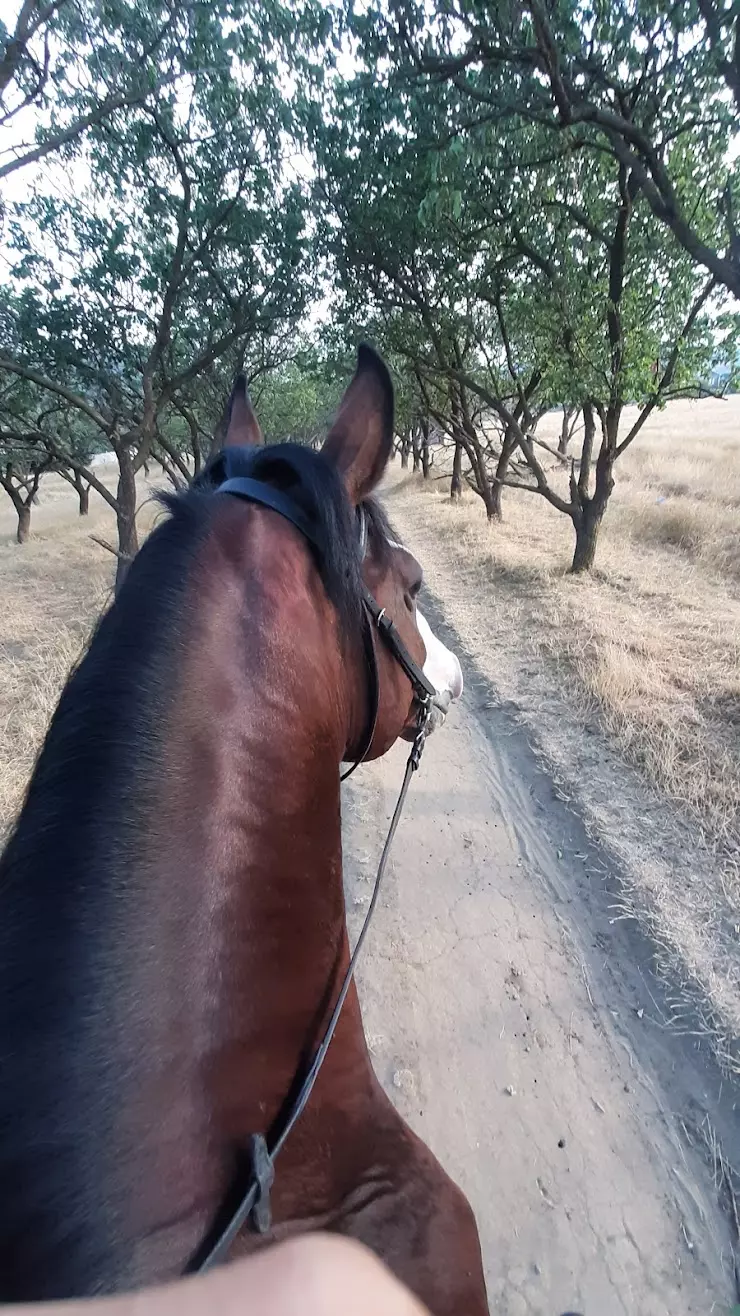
<point>516,1024</point>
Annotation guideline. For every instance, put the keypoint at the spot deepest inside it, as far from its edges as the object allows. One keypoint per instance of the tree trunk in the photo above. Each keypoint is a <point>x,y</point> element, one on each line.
<point>416,446</point>
<point>590,514</point>
<point>502,468</point>
<point>24,523</point>
<point>425,453</point>
<point>456,412</point>
<point>565,431</point>
<point>83,493</point>
<point>489,499</point>
<point>128,542</point>
<point>456,481</point>
<point>587,535</point>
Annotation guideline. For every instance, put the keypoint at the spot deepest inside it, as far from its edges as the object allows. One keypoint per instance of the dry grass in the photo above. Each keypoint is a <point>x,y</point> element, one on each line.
<point>641,659</point>
<point>53,590</point>
<point>653,637</point>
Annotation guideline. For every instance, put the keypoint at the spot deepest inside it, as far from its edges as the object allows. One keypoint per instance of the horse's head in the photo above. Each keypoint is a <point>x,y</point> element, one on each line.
<point>359,444</point>
<point>358,447</point>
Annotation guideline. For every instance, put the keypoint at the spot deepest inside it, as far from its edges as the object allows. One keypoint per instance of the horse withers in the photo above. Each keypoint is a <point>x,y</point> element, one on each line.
<point>172,922</point>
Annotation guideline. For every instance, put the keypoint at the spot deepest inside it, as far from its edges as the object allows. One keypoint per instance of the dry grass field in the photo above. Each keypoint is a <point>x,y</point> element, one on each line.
<point>630,677</point>
<point>52,591</point>
<point>653,638</point>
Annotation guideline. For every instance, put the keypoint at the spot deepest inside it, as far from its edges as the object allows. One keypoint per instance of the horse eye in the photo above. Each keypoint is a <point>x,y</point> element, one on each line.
<point>412,593</point>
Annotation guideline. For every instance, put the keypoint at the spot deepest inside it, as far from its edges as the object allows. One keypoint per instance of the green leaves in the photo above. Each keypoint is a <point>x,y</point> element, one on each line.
<point>178,252</point>
<point>463,209</point>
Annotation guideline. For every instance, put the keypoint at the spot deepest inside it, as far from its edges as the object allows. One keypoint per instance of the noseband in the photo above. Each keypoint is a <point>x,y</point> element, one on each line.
<point>253,1203</point>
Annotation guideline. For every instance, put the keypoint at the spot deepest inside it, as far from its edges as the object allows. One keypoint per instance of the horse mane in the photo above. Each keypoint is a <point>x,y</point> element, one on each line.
<point>72,857</point>
<point>64,879</point>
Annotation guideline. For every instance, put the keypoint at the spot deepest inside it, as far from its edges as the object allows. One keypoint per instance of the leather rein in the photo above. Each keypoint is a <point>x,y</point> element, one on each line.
<point>253,1205</point>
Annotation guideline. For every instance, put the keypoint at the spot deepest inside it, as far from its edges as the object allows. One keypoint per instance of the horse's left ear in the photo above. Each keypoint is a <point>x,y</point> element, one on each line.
<point>360,441</point>
<point>243,429</point>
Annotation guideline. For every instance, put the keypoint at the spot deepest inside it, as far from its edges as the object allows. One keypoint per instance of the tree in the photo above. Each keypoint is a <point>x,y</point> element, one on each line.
<point>537,272</point>
<point>70,67</point>
<point>20,476</point>
<point>655,90</point>
<point>22,465</point>
<point>181,260</point>
<point>629,309</point>
<point>297,400</point>
<point>72,453</point>
<point>433,282</point>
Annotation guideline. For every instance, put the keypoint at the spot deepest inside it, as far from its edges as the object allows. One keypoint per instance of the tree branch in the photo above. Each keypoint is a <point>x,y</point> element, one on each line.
<point>75,400</point>
<point>670,370</point>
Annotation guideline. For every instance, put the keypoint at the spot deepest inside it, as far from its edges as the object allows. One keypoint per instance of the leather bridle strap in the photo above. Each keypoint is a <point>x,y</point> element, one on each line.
<point>256,491</point>
<point>424,691</point>
<point>373,699</point>
<point>422,686</point>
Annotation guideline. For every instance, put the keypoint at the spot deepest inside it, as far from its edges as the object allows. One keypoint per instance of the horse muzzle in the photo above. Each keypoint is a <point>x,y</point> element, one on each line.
<point>442,668</point>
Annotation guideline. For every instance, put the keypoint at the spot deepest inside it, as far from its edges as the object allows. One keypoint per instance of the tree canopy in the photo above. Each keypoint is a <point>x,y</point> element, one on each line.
<point>173,249</point>
<point>526,205</point>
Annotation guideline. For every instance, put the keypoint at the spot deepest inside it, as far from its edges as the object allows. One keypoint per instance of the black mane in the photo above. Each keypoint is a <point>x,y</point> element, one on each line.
<point>71,867</point>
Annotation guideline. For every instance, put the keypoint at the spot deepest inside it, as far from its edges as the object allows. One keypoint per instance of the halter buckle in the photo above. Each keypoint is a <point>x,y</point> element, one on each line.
<point>263,1173</point>
<point>422,725</point>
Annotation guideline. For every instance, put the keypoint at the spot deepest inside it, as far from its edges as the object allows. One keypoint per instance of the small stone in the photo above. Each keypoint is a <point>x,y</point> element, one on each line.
<point>510,1091</point>
<point>640,1012</point>
<point>561,1143</point>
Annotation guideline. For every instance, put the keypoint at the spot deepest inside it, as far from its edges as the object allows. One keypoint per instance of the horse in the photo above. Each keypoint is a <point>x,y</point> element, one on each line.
<point>172,918</point>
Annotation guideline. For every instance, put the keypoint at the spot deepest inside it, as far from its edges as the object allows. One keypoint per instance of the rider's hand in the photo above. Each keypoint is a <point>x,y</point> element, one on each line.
<point>319,1275</point>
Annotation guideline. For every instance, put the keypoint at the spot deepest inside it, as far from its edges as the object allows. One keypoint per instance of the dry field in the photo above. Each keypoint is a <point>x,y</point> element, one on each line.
<point>52,591</point>
<point>630,679</point>
<point>655,639</point>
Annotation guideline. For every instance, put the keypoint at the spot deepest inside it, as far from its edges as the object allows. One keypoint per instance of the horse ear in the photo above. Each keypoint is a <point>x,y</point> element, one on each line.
<point>243,429</point>
<point>360,441</point>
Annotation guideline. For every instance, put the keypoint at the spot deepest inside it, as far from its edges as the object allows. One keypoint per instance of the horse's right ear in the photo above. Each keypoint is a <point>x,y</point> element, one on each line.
<point>243,428</point>
<point>360,441</point>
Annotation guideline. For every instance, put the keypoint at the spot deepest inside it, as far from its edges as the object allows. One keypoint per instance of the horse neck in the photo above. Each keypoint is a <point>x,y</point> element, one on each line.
<point>257,741</point>
<point>172,1026</point>
<point>249,832</point>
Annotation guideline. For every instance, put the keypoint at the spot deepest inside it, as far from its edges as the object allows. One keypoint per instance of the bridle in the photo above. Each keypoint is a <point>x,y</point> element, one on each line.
<point>253,1204</point>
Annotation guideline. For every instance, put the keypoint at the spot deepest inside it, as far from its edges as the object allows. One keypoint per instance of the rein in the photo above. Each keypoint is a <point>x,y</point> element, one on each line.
<point>254,1204</point>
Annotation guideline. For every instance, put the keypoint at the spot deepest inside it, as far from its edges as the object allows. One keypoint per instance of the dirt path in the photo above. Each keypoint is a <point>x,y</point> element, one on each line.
<point>513,1022</point>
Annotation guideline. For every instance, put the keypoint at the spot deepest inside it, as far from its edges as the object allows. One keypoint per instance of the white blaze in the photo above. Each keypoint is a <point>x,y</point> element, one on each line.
<point>441,667</point>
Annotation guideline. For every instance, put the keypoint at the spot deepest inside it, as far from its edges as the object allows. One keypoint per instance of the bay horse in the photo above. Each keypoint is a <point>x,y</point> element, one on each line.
<point>172,920</point>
